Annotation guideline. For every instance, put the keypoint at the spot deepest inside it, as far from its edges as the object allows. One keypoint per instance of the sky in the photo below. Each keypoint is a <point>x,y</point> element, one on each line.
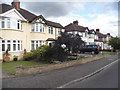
<point>93,14</point>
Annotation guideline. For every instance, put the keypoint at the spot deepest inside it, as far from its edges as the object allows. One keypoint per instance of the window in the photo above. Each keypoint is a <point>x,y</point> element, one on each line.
<point>59,31</point>
<point>32,45</point>
<point>9,23</point>
<point>3,47</point>
<point>50,30</point>
<point>18,25</point>
<point>18,46</point>
<point>14,47</point>
<point>38,27</point>
<point>11,45</point>
<point>36,43</point>
<point>3,24</point>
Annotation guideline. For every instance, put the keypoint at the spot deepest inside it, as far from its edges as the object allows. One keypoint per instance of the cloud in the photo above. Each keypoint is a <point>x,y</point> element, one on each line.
<point>53,9</point>
<point>102,21</point>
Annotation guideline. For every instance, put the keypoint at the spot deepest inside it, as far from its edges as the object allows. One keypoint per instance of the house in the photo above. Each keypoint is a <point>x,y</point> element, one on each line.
<point>89,36</point>
<point>22,30</point>
<point>74,28</point>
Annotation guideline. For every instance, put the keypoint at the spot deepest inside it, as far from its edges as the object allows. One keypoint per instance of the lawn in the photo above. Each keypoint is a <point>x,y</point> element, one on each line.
<point>10,66</point>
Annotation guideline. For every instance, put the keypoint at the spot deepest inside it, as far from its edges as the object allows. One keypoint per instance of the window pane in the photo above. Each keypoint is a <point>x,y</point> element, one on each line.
<point>14,41</point>
<point>3,41</point>
<point>18,25</point>
<point>18,46</point>
<point>14,47</point>
<point>8,47</point>
<point>36,27</point>
<point>21,46</point>
<point>51,31</point>
<point>32,27</point>
<point>3,47</point>
<point>8,41</point>
<point>3,24</point>
<point>8,23</point>
<point>32,47</point>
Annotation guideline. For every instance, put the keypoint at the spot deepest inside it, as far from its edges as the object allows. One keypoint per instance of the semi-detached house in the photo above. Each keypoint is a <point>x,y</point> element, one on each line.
<point>22,30</point>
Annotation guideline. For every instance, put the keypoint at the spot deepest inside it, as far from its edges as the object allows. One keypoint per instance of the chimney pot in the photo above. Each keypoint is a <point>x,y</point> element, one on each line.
<point>108,34</point>
<point>75,22</point>
<point>97,30</point>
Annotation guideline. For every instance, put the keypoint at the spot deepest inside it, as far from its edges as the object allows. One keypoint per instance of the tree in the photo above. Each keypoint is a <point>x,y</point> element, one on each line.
<point>72,41</point>
<point>115,43</point>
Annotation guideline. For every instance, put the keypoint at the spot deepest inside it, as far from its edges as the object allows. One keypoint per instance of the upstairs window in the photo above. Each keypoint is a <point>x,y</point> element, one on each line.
<point>9,23</point>
<point>50,30</point>
<point>59,31</point>
<point>38,27</point>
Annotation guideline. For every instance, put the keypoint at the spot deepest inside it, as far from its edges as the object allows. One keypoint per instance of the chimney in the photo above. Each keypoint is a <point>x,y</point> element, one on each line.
<point>97,30</point>
<point>108,34</point>
<point>16,4</point>
<point>75,22</point>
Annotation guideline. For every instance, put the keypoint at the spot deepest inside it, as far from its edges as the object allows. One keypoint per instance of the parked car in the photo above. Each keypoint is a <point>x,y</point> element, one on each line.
<point>95,49</point>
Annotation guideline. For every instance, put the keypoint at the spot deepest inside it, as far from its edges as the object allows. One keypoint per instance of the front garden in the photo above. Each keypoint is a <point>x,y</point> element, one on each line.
<point>10,66</point>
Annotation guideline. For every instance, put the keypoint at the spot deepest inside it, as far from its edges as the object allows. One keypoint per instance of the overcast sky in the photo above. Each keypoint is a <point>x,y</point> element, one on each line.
<point>102,15</point>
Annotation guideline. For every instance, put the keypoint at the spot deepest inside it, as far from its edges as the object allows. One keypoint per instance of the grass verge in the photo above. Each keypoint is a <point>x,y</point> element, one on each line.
<point>10,66</point>
<point>108,53</point>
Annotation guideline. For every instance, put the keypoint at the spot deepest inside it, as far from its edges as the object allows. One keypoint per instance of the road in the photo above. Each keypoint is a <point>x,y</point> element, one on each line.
<point>59,77</point>
<point>107,78</point>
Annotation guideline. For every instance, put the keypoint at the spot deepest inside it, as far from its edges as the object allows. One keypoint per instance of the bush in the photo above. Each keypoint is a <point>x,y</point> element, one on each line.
<point>46,53</point>
<point>28,56</point>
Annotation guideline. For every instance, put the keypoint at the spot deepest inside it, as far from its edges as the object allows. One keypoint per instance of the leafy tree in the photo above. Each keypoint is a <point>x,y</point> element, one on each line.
<point>115,43</point>
<point>72,41</point>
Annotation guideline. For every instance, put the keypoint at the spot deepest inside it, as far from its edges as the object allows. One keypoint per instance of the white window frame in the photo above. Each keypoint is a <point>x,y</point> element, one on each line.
<point>50,30</point>
<point>37,27</point>
<point>11,43</point>
<point>36,43</point>
<point>10,23</point>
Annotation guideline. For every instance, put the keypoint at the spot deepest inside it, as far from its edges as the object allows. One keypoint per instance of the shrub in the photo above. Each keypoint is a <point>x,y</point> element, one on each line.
<point>28,56</point>
<point>46,53</point>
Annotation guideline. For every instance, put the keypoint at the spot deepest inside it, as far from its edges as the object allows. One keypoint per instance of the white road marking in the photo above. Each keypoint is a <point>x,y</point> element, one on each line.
<point>80,79</point>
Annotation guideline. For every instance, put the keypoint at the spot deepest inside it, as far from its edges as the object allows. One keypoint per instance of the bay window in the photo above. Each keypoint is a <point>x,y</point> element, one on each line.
<point>9,23</point>
<point>11,45</point>
<point>37,27</point>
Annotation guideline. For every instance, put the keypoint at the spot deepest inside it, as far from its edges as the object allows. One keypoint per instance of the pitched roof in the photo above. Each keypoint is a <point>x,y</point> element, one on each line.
<point>90,31</point>
<point>54,24</point>
<point>100,35</point>
<point>28,15</point>
<point>75,27</point>
<point>4,8</point>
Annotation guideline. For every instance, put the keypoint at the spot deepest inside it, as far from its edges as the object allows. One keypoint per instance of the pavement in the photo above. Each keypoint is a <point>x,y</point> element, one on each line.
<point>56,78</point>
